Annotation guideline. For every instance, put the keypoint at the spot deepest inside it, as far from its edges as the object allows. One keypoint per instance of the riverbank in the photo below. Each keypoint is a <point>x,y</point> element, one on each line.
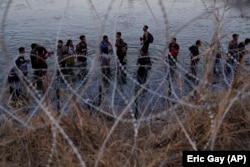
<point>219,121</point>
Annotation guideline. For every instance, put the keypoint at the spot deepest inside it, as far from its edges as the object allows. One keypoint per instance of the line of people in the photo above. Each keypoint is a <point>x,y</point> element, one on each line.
<point>174,52</point>
<point>236,53</point>
<point>66,55</point>
<point>38,56</point>
<point>235,56</point>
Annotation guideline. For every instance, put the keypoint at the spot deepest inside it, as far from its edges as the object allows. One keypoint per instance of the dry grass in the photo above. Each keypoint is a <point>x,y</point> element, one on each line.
<point>157,143</point>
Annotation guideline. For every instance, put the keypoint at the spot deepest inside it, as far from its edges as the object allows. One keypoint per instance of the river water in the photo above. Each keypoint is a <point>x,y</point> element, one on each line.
<point>46,21</point>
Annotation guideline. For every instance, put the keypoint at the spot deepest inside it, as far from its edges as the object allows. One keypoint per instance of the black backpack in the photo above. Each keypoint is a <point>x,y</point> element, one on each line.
<point>150,38</point>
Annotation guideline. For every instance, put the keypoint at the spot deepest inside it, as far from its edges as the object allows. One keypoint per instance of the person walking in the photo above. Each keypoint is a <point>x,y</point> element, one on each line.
<point>242,50</point>
<point>145,64</point>
<point>60,55</point>
<point>119,45</point>
<point>15,85</point>
<point>42,67</point>
<point>194,58</point>
<point>82,50</point>
<point>104,45</point>
<point>145,40</point>
<point>172,55</point>
<point>231,65</point>
<point>70,56</point>
<point>21,62</point>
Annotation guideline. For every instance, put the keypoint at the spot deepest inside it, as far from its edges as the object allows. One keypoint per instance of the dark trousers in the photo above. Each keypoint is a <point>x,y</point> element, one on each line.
<point>172,64</point>
<point>37,79</point>
<point>217,67</point>
<point>193,66</point>
<point>142,75</point>
<point>62,67</point>
<point>62,63</point>
<point>83,71</point>
<point>231,65</point>
<point>145,47</point>
<point>15,93</point>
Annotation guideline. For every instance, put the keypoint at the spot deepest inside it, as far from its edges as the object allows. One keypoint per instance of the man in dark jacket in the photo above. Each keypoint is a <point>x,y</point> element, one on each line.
<point>194,59</point>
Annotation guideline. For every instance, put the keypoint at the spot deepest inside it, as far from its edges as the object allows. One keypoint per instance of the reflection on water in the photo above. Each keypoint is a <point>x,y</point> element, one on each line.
<point>45,22</point>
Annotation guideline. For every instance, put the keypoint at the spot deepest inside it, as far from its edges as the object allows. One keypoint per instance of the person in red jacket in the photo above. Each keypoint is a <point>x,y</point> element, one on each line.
<point>172,55</point>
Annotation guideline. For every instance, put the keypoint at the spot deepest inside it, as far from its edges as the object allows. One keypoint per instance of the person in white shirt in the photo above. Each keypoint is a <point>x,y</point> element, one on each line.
<point>105,60</point>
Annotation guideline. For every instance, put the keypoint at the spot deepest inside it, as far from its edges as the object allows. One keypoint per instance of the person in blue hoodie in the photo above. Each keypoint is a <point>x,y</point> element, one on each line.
<point>21,62</point>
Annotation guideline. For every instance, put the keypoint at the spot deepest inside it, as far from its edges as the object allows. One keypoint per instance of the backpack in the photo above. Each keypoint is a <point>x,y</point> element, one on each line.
<point>150,38</point>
